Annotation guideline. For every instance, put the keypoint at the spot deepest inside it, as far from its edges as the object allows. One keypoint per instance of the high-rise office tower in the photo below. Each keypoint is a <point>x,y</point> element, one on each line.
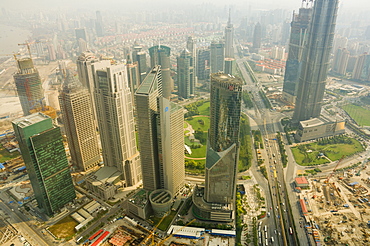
<point>298,37</point>
<point>361,70</point>
<point>223,138</point>
<point>217,57</point>
<point>340,61</point>
<point>139,56</point>
<point>315,60</point>
<point>160,127</point>
<point>217,201</point>
<point>229,39</point>
<point>81,33</point>
<point>87,62</point>
<point>29,87</point>
<point>78,119</point>
<point>191,47</point>
<point>43,153</point>
<point>160,55</point>
<point>257,37</point>
<point>82,45</point>
<point>99,25</point>
<point>203,58</point>
<point>133,76</point>
<point>185,74</point>
<point>115,118</point>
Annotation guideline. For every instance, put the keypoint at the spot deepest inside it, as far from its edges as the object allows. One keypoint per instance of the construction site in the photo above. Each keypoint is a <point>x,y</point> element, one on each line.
<point>336,209</point>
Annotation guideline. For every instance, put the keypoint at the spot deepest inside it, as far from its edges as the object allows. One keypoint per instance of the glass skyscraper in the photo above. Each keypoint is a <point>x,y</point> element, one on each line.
<point>43,152</point>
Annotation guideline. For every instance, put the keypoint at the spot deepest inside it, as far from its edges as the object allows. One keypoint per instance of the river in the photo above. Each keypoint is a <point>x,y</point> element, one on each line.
<point>10,37</point>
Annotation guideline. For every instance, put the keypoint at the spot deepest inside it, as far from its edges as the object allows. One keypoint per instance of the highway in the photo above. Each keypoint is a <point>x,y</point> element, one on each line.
<point>280,224</point>
<point>17,219</point>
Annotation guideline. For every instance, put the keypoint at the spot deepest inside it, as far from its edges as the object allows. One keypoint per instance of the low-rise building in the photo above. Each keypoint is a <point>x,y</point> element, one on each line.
<point>301,182</point>
<point>318,128</point>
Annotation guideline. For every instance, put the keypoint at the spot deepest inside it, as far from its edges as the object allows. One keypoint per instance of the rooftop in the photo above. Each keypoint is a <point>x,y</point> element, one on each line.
<point>30,119</point>
<point>301,180</point>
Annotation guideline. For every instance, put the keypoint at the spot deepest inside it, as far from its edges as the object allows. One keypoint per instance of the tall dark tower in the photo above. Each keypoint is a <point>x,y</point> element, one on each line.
<point>185,74</point>
<point>257,36</point>
<point>160,55</point>
<point>218,200</point>
<point>99,25</point>
<point>44,155</point>
<point>315,60</point>
<point>298,37</point>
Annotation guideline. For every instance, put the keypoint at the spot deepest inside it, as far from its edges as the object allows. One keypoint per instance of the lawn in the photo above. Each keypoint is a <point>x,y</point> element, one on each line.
<point>65,228</point>
<point>199,152</point>
<point>165,222</point>
<point>195,122</point>
<point>185,124</point>
<point>332,151</point>
<point>5,155</point>
<point>204,108</point>
<point>358,113</point>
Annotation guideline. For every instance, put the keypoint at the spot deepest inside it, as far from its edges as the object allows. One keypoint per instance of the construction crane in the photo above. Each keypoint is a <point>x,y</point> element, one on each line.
<point>152,231</point>
<point>332,173</point>
<point>169,236</point>
<point>13,54</point>
<point>28,46</point>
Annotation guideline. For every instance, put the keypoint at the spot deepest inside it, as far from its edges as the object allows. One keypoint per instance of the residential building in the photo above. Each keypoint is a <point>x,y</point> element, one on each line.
<point>43,152</point>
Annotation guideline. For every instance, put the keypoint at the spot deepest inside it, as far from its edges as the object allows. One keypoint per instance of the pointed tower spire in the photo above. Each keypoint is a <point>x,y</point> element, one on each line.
<point>229,20</point>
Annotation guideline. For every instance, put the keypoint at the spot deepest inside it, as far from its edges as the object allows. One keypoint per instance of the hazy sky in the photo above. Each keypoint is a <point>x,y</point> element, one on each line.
<point>361,5</point>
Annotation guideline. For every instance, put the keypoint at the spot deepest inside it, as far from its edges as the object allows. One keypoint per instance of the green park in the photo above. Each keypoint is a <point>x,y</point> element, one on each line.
<point>326,150</point>
<point>359,114</point>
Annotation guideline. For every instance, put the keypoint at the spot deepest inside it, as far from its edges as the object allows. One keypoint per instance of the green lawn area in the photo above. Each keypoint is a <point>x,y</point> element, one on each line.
<point>199,152</point>
<point>194,122</point>
<point>65,228</point>
<point>204,108</point>
<point>332,151</point>
<point>358,113</point>
<point>165,222</point>
<point>5,155</point>
<point>186,131</point>
<point>185,124</point>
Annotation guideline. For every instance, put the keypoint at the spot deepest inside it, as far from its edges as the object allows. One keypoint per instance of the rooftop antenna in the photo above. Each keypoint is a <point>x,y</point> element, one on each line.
<point>229,21</point>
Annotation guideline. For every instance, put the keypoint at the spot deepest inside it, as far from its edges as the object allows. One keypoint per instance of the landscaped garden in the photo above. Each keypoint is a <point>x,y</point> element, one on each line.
<point>326,150</point>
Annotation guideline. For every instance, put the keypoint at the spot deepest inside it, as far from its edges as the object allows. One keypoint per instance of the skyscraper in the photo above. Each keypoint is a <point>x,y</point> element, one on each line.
<point>81,33</point>
<point>217,56</point>
<point>116,122</point>
<point>229,39</point>
<point>87,62</point>
<point>298,37</point>
<point>160,127</point>
<point>78,119</point>
<point>160,55</point>
<point>340,61</point>
<point>185,74</point>
<point>315,60</point>
<point>217,202</point>
<point>29,87</point>
<point>203,58</point>
<point>257,36</point>
<point>139,56</point>
<point>99,25</point>
<point>361,69</point>
<point>43,153</point>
